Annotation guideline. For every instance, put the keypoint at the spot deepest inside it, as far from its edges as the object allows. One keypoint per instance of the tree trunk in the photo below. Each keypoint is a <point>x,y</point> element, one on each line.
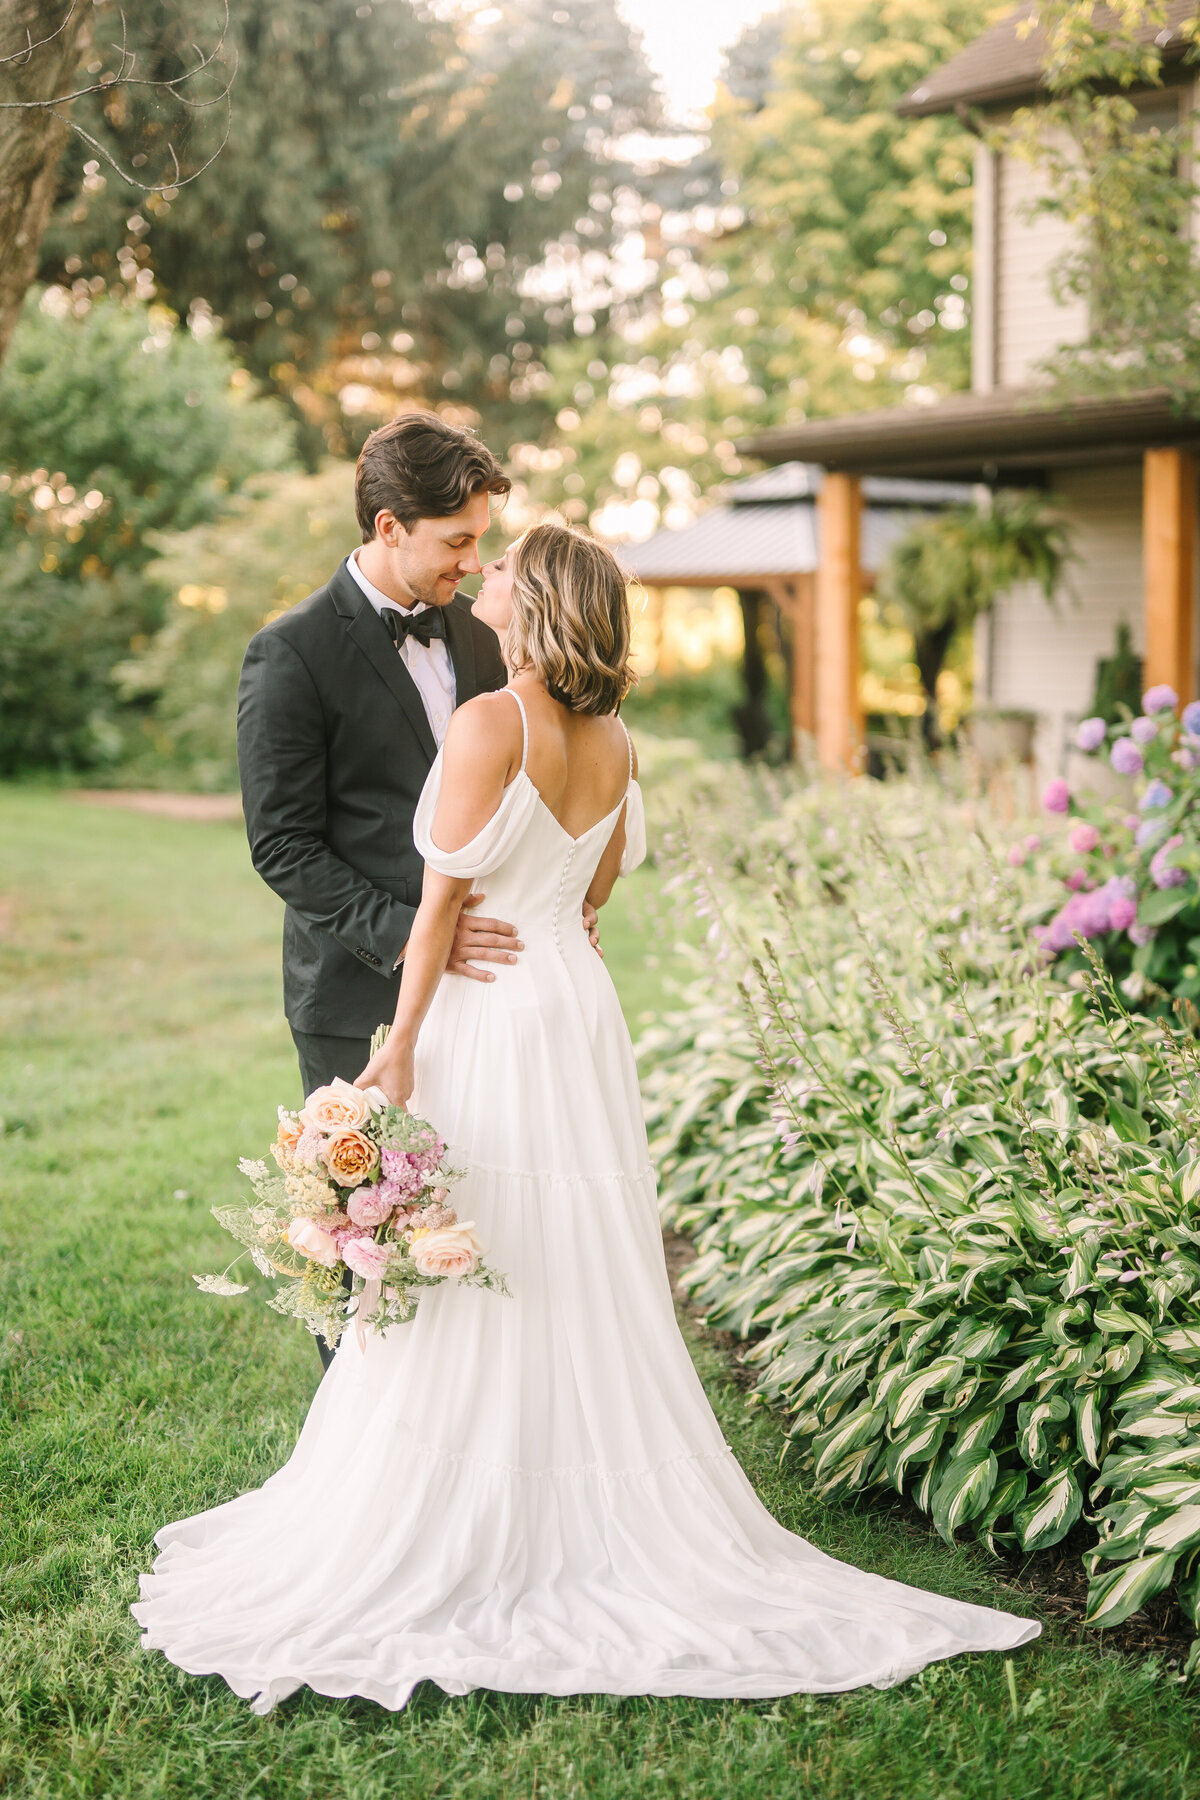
<point>32,139</point>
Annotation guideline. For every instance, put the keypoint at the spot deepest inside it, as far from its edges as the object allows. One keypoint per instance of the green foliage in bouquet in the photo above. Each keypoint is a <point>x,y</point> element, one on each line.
<point>954,1203</point>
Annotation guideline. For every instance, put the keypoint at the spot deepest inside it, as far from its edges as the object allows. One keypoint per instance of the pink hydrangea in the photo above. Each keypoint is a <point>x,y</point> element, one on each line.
<point>1033,841</point>
<point>1056,796</point>
<point>366,1258</point>
<point>1091,734</point>
<point>1122,913</point>
<point>404,1174</point>
<point>1161,698</point>
<point>1090,914</point>
<point>1125,757</point>
<point>1078,878</point>
<point>1083,837</point>
<point>370,1206</point>
<point>1016,856</point>
<point>1143,731</point>
<point>308,1144</point>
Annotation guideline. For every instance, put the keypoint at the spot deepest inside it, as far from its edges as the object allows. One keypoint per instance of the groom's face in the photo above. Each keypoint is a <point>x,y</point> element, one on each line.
<point>431,559</point>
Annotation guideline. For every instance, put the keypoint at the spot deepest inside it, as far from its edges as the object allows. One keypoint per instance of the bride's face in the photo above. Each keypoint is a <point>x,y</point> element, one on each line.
<point>493,603</point>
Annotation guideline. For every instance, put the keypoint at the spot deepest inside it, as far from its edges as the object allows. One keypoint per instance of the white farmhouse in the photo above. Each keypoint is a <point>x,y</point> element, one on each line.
<point>1125,469</point>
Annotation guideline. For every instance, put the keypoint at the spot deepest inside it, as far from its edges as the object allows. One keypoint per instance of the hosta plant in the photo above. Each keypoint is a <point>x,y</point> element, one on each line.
<point>954,1201</point>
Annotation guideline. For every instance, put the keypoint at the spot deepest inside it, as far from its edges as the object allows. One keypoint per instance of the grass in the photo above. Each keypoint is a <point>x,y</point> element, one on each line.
<point>141,1050</point>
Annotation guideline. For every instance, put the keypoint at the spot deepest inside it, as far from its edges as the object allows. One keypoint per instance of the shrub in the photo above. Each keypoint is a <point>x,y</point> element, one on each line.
<point>114,423</point>
<point>1132,875</point>
<point>278,541</point>
<point>954,1201</point>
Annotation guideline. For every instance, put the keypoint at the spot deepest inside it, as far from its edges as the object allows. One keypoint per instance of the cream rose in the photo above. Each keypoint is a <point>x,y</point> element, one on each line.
<point>452,1250</point>
<point>337,1107</point>
<point>350,1158</point>
<point>306,1236</point>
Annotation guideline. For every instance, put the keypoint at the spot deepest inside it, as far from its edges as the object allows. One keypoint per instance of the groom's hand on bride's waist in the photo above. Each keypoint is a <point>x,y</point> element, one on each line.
<point>477,940</point>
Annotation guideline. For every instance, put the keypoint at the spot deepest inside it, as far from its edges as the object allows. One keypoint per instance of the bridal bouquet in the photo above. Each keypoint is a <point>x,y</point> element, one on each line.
<point>358,1186</point>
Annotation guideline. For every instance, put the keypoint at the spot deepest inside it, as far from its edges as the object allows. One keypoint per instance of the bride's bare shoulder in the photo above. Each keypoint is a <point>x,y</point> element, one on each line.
<point>487,728</point>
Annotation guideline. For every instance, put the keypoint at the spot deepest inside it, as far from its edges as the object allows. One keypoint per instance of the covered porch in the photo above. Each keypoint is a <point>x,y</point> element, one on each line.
<point>774,540</point>
<point>1005,439</point>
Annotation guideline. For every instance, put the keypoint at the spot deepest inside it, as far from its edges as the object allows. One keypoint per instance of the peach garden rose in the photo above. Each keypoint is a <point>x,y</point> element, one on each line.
<point>306,1236</point>
<point>350,1157</point>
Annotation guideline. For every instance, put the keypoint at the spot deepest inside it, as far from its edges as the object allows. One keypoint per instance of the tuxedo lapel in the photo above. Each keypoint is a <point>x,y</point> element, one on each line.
<point>461,645</point>
<point>368,632</point>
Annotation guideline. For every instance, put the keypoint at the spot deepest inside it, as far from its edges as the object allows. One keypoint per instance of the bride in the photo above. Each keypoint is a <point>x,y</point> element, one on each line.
<point>530,1493</point>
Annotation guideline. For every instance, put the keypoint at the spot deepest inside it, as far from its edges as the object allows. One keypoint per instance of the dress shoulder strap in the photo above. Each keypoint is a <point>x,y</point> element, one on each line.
<point>629,741</point>
<point>525,726</point>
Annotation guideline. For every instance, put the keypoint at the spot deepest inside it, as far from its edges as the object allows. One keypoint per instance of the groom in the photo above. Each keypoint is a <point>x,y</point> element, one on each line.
<point>342,705</point>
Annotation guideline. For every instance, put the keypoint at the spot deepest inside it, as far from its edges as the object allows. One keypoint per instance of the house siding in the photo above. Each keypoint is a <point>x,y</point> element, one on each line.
<point>1044,657</point>
<point>1029,324</point>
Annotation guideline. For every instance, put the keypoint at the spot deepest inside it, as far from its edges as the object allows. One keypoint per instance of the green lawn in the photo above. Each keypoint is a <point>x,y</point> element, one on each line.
<point>141,1051</point>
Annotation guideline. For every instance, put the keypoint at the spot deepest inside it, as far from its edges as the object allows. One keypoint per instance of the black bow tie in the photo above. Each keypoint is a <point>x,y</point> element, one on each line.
<point>424,626</point>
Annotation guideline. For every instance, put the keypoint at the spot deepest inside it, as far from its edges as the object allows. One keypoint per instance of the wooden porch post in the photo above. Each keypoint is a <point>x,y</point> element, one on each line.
<point>839,582</point>
<point>1169,569</point>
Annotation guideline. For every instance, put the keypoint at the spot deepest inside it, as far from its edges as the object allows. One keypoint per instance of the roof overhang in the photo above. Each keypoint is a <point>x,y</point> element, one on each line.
<point>1004,64</point>
<point>1015,437</point>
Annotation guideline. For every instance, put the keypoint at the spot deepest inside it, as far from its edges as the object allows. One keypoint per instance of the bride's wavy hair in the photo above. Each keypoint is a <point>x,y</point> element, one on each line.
<point>570,618</point>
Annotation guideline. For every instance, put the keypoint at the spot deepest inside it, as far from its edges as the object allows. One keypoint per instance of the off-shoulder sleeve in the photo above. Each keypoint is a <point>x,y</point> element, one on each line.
<point>635,830</point>
<point>489,847</point>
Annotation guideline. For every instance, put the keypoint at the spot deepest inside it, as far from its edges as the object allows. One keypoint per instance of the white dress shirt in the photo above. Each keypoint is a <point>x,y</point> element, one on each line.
<point>428,664</point>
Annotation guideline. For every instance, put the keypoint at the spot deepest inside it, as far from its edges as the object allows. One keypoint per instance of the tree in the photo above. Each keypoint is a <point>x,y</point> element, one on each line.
<point>40,85</point>
<point>113,426</point>
<point>1123,181</point>
<point>38,53</point>
<point>392,181</point>
<point>821,265</point>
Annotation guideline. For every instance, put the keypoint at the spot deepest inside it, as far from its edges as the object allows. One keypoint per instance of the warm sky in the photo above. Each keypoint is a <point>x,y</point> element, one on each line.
<point>684,40</point>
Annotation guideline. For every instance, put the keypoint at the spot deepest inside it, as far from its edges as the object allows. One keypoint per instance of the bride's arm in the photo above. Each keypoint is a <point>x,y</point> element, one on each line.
<point>609,866</point>
<point>477,762</point>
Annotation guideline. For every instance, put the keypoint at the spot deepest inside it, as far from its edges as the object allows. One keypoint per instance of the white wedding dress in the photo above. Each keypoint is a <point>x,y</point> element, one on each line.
<point>531,1493</point>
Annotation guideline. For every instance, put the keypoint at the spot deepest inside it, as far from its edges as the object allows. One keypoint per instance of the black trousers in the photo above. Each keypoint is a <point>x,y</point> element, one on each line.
<point>321,1058</point>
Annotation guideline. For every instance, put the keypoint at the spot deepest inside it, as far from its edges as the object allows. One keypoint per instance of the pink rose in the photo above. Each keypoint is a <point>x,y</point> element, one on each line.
<point>306,1236</point>
<point>338,1107</point>
<point>366,1257</point>
<point>452,1251</point>
<point>370,1206</point>
<point>1083,838</point>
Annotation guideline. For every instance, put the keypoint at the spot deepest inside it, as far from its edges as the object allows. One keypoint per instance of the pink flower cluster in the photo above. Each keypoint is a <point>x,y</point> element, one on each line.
<point>1112,907</point>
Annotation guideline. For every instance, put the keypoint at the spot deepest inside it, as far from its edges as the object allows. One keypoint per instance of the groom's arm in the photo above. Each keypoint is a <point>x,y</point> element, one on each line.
<point>281,761</point>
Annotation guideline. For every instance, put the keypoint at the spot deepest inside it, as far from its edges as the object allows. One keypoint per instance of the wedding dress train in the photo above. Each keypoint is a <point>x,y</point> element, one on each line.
<point>531,1494</point>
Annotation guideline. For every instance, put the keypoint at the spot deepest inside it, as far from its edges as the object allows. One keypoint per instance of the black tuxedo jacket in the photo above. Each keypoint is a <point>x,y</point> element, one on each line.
<point>333,749</point>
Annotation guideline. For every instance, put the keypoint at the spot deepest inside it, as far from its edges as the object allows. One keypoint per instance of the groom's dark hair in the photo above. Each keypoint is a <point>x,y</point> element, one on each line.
<point>418,467</point>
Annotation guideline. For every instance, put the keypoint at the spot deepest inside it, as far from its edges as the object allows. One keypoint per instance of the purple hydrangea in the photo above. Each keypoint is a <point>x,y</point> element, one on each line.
<point>1157,794</point>
<point>1163,873</point>
<point>1191,717</point>
<point>1140,934</point>
<point>1056,797</point>
<point>1143,731</point>
<point>1161,698</point>
<point>1125,757</point>
<point>1112,907</point>
<point>1149,832</point>
<point>1091,734</point>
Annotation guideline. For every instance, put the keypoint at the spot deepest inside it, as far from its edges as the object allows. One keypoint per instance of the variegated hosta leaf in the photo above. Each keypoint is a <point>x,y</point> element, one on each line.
<point>964,1489</point>
<point>1050,1511</point>
<point>1114,1596</point>
<point>1087,1426</point>
<point>907,1396</point>
<point>219,1284</point>
<point>919,1446</point>
<point>1180,1530</point>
